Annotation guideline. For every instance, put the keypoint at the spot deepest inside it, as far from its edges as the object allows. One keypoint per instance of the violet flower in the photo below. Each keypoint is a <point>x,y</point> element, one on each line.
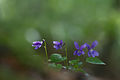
<point>37,44</point>
<point>91,52</point>
<point>58,45</point>
<point>79,50</point>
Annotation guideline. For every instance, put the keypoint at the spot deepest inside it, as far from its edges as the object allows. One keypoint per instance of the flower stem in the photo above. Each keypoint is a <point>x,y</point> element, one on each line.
<point>46,50</point>
<point>78,58</point>
<point>66,57</point>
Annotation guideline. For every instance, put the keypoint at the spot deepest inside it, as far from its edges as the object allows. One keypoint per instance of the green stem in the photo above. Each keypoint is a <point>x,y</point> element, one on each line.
<point>66,57</point>
<point>78,57</point>
<point>46,50</point>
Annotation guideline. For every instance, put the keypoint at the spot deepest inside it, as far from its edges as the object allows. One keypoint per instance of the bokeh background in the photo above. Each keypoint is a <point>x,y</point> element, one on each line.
<point>25,21</point>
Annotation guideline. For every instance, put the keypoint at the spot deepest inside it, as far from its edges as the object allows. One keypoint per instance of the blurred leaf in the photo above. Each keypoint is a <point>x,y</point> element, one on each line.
<point>53,65</point>
<point>71,68</point>
<point>73,62</point>
<point>59,66</point>
<point>94,60</point>
<point>75,66</point>
<point>64,58</point>
<point>57,58</point>
<point>80,63</point>
<point>81,70</point>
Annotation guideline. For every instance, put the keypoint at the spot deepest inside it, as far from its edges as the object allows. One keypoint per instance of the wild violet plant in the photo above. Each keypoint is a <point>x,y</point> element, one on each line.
<point>56,60</point>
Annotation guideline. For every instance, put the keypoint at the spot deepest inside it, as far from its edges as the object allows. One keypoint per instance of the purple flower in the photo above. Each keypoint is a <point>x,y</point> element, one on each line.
<point>37,44</point>
<point>58,45</point>
<point>91,52</point>
<point>79,50</point>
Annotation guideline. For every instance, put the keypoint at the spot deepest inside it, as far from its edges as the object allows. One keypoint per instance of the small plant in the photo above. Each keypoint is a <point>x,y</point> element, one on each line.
<point>59,62</point>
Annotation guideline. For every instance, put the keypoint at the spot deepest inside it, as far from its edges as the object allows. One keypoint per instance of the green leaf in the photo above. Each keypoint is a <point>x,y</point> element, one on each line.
<point>64,58</point>
<point>80,63</point>
<point>53,65</point>
<point>59,66</point>
<point>57,58</point>
<point>94,60</point>
<point>73,62</point>
<point>71,68</point>
<point>81,70</point>
<point>75,66</point>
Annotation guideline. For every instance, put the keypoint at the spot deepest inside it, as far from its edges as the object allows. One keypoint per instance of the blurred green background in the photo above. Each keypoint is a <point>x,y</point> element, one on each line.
<point>25,21</point>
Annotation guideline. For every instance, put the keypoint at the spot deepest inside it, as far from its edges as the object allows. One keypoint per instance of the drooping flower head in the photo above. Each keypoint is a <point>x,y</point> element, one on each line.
<point>91,52</point>
<point>79,50</point>
<point>37,44</point>
<point>58,45</point>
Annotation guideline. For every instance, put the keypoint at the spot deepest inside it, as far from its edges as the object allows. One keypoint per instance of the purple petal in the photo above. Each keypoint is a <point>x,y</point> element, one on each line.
<point>82,52</point>
<point>37,42</point>
<point>33,45</point>
<point>96,53</point>
<point>39,46</point>
<point>56,47</point>
<point>88,46</point>
<point>56,42</point>
<point>92,53</point>
<point>89,54</point>
<point>79,53</point>
<point>60,46</point>
<point>76,45</point>
<point>36,47</point>
<point>75,52</point>
<point>61,42</point>
<point>83,46</point>
<point>94,44</point>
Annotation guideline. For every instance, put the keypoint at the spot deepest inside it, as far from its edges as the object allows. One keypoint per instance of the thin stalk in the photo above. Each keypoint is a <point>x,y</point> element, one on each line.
<point>78,57</point>
<point>46,50</point>
<point>66,57</point>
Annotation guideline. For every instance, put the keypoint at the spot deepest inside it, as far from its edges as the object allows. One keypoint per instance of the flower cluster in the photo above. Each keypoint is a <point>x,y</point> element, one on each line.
<point>58,45</point>
<point>91,52</point>
<point>79,51</point>
<point>37,44</point>
<point>74,65</point>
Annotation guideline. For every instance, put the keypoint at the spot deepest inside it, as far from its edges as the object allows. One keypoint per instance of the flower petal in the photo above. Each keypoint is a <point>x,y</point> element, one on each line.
<point>36,47</point>
<point>61,42</point>
<point>37,43</point>
<point>75,52</point>
<point>82,52</point>
<point>92,53</point>
<point>56,42</point>
<point>56,47</point>
<point>83,46</point>
<point>33,45</point>
<point>76,45</point>
<point>89,54</point>
<point>88,46</point>
<point>79,53</point>
<point>96,53</point>
<point>39,46</point>
<point>94,44</point>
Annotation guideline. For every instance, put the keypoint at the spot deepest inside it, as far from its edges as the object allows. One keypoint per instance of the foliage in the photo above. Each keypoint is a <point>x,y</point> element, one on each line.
<point>56,59</point>
<point>94,60</point>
